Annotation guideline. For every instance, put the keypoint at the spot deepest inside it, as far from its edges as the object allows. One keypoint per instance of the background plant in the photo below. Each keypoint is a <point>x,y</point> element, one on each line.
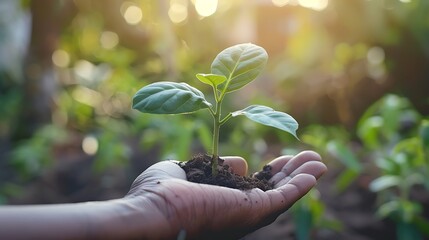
<point>398,137</point>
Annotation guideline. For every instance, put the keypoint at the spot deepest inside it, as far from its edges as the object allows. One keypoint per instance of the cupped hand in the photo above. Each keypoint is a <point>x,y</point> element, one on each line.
<point>201,211</point>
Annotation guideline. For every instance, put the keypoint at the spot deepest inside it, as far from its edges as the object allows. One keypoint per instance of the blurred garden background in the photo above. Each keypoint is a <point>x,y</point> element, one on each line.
<point>355,74</point>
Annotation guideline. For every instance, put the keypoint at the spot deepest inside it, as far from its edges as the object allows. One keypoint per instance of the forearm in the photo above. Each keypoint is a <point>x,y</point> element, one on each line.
<point>116,219</point>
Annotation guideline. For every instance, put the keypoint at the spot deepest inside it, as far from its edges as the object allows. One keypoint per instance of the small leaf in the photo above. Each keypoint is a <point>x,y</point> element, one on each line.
<point>240,64</point>
<point>270,117</point>
<point>211,79</point>
<point>169,98</point>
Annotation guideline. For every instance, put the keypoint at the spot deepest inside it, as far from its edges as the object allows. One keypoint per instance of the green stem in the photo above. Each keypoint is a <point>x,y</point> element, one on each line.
<point>216,128</point>
<point>225,119</point>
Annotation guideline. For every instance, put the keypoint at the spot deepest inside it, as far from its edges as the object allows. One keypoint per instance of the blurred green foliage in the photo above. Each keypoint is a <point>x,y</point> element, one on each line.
<point>395,133</point>
<point>391,146</point>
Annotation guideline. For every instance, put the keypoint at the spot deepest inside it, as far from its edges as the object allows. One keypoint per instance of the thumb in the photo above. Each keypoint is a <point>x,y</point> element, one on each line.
<point>237,164</point>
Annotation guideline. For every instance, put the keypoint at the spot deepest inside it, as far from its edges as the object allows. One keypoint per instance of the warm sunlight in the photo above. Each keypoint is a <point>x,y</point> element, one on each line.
<point>178,11</point>
<point>280,3</point>
<point>133,15</point>
<point>317,5</point>
<point>206,8</point>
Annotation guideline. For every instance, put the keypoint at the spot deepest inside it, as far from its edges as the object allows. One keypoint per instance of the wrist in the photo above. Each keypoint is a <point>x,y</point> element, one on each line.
<point>128,218</point>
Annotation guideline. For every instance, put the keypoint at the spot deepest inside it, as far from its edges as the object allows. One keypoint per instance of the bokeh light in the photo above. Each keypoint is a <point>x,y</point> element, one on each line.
<point>206,8</point>
<point>375,55</point>
<point>84,69</point>
<point>133,15</point>
<point>90,145</point>
<point>280,3</point>
<point>317,5</point>
<point>178,11</point>
<point>109,39</point>
<point>61,58</point>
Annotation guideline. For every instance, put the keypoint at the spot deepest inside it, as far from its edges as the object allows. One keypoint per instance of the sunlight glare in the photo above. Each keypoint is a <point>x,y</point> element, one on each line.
<point>317,5</point>
<point>206,8</point>
<point>90,145</point>
<point>280,3</point>
<point>84,69</point>
<point>178,11</point>
<point>133,15</point>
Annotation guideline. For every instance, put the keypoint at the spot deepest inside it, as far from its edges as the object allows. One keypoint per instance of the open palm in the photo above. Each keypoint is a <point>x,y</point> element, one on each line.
<point>201,211</point>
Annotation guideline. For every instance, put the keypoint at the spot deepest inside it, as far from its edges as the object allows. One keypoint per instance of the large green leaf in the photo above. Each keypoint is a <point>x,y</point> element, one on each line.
<point>270,117</point>
<point>241,64</point>
<point>169,98</point>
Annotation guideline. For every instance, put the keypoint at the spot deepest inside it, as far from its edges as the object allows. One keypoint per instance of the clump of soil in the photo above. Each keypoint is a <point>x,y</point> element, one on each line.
<point>199,170</point>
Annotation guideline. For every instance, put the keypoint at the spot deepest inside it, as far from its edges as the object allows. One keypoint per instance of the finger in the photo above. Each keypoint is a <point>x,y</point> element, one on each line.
<point>237,164</point>
<point>294,163</point>
<point>278,163</point>
<point>314,168</point>
<point>299,160</point>
<point>283,197</point>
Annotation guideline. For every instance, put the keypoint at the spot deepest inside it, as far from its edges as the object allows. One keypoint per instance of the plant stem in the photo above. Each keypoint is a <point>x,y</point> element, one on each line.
<point>216,128</point>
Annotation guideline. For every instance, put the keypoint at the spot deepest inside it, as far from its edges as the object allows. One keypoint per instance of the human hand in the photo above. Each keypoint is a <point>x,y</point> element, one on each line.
<point>211,212</point>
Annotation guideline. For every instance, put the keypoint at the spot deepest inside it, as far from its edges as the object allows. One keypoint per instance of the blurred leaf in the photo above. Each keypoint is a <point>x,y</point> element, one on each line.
<point>112,152</point>
<point>345,155</point>
<point>384,119</point>
<point>387,165</point>
<point>424,133</point>
<point>413,151</point>
<point>32,156</point>
<point>368,131</point>
<point>240,64</point>
<point>388,208</point>
<point>169,98</point>
<point>384,182</point>
<point>422,224</point>
<point>303,222</point>
<point>407,231</point>
<point>345,179</point>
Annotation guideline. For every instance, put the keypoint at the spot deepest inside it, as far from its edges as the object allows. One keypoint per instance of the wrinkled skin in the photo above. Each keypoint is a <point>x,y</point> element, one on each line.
<point>211,212</point>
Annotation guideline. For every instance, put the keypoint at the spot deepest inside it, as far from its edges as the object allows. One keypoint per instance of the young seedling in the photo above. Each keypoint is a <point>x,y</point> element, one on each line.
<point>232,69</point>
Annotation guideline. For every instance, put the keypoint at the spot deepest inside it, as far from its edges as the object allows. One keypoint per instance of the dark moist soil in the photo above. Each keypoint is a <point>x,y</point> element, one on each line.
<point>199,170</point>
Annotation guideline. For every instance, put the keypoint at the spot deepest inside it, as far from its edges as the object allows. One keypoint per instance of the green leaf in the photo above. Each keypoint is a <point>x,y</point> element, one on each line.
<point>241,64</point>
<point>388,208</point>
<point>345,179</point>
<point>384,182</point>
<point>270,117</point>
<point>169,98</point>
<point>343,152</point>
<point>211,79</point>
